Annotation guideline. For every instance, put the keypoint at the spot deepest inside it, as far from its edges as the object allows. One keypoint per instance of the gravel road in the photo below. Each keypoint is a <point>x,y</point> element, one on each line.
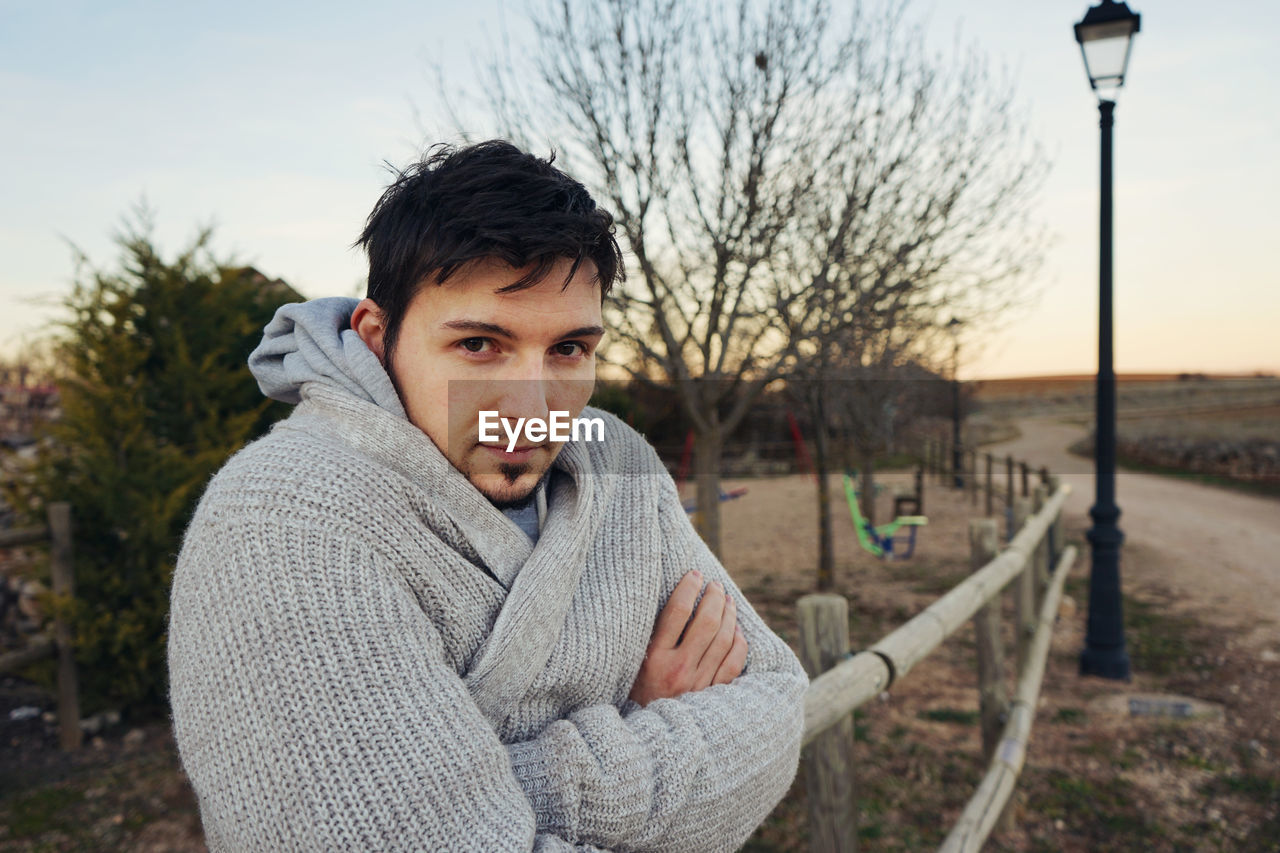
<point>1217,551</point>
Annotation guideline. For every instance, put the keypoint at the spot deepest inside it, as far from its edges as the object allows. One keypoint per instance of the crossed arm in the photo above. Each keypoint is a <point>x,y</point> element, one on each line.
<point>322,715</point>
<point>695,643</point>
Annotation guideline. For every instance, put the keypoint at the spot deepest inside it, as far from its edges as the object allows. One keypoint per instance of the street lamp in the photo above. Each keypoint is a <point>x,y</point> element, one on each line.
<point>1105,36</point>
<point>957,452</point>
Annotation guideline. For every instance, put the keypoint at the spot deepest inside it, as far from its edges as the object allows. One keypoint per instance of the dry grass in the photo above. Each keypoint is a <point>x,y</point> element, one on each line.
<point>1228,424</point>
<point>1136,396</point>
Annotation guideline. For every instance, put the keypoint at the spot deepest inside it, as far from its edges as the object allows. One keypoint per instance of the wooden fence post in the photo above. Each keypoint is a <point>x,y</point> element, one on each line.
<point>1024,590</point>
<point>1026,479</point>
<point>972,480</point>
<point>1039,497</point>
<point>992,696</point>
<point>828,760</point>
<point>1008,464</point>
<point>990,503</point>
<point>62,576</point>
<point>920,490</point>
<point>955,466</point>
<point>1055,530</point>
<point>983,549</point>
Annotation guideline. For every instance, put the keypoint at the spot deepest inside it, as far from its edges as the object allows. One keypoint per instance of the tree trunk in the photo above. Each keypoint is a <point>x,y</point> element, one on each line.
<point>707,450</point>
<point>826,544</point>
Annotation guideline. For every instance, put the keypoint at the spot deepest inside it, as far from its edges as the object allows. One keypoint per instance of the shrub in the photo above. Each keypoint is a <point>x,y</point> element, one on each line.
<point>155,395</point>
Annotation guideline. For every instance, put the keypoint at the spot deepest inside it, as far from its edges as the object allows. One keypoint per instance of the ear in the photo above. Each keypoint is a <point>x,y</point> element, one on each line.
<point>369,323</point>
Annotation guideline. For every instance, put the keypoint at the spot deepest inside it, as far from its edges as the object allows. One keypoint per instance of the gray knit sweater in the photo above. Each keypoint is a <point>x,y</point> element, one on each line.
<point>365,654</point>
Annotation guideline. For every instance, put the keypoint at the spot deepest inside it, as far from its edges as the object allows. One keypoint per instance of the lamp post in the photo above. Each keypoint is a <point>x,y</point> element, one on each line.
<point>1105,36</point>
<point>957,453</point>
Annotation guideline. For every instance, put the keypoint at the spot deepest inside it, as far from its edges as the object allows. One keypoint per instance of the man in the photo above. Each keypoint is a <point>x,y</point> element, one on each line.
<point>391,630</point>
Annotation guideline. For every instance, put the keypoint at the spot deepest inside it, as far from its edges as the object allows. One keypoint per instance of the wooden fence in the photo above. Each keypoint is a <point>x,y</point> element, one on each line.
<point>1033,566</point>
<point>993,478</point>
<point>58,642</point>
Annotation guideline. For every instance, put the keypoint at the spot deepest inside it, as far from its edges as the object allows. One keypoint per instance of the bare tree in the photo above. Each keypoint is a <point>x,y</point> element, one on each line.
<point>765,161</point>
<point>858,389</point>
<point>924,212</point>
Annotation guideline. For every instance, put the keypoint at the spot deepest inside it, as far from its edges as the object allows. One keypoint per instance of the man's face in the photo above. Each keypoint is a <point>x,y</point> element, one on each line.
<point>463,348</point>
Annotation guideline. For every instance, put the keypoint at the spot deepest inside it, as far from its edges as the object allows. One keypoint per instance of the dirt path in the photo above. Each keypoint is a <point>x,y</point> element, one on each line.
<point>1216,550</point>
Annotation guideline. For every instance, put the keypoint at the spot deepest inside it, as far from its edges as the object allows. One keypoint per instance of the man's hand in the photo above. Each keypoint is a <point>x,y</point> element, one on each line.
<point>712,650</point>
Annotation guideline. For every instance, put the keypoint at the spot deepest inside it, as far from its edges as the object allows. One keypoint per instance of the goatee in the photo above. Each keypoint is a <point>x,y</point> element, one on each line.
<point>512,473</point>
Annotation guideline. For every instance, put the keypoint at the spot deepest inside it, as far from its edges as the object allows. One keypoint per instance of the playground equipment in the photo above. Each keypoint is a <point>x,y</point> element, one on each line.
<point>733,494</point>
<point>683,472</point>
<point>686,456</point>
<point>803,462</point>
<point>881,540</point>
<point>910,502</point>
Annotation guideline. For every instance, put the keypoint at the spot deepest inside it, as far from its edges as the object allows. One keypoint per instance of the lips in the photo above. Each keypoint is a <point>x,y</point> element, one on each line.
<point>519,452</point>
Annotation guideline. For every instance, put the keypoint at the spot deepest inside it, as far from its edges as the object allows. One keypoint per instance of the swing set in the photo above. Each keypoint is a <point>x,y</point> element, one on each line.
<point>683,473</point>
<point>879,540</point>
<point>882,540</point>
<point>803,463</point>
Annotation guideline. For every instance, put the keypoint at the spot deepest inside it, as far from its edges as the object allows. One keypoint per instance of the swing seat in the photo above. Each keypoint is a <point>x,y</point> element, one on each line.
<point>733,494</point>
<point>882,540</point>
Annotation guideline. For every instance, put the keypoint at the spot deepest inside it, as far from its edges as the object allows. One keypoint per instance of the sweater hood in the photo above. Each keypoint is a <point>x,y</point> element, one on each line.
<point>313,342</point>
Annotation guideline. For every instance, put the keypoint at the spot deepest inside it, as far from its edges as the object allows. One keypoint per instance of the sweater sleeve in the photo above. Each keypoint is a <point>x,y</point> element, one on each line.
<point>313,707</point>
<point>698,772</point>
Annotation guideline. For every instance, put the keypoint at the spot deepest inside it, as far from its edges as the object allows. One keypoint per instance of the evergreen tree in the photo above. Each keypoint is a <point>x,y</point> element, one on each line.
<point>155,395</point>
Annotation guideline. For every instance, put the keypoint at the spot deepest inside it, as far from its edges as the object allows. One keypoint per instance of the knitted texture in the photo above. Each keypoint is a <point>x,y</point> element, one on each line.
<point>347,672</point>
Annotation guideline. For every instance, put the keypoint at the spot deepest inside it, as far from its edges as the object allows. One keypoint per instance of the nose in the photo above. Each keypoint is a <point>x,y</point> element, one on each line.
<point>523,393</point>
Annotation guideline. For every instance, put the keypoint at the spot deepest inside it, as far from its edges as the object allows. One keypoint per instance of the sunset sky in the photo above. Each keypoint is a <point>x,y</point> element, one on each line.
<point>271,121</point>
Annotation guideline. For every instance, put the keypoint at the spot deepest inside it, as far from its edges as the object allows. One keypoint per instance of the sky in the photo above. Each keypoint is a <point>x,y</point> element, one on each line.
<point>273,123</point>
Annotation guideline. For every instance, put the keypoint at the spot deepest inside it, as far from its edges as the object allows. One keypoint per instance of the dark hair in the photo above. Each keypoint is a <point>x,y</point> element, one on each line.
<point>484,201</point>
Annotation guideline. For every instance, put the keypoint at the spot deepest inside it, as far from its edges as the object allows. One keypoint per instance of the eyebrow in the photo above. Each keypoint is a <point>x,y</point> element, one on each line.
<point>503,331</point>
<point>479,326</point>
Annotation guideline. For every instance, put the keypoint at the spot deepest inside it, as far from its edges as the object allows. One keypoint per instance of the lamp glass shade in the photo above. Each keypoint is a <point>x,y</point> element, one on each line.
<point>1106,53</point>
<point>1106,36</point>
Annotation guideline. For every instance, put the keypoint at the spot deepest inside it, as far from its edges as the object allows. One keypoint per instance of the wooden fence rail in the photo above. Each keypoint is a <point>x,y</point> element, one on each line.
<point>841,682</point>
<point>58,534</point>
<point>984,809</point>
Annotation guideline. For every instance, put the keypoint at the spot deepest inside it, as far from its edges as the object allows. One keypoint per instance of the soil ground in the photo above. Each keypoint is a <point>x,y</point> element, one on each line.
<point>1200,573</point>
<point>1202,581</point>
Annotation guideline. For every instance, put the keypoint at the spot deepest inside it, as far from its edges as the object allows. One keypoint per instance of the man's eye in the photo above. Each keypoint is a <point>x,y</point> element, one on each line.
<point>570,349</point>
<point>475,344</point>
